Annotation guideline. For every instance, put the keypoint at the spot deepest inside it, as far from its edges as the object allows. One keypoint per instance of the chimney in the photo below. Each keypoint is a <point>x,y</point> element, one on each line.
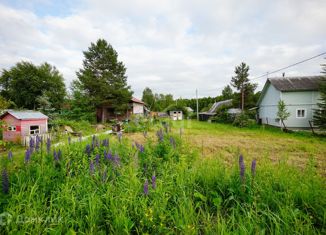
<point>283,74</point>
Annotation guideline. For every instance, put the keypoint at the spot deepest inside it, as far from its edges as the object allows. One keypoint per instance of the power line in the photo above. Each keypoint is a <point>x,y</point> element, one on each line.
<point>289,66</point>
<point>277,70</point>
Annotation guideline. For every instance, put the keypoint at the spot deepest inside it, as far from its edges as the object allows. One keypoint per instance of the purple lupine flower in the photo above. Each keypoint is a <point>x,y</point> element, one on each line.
<point>59,154</point>
<point>119,136</point>
<point>10,155</point>
<point>145,134</point>
<point>253,167</point>
<point>146,187</point>
<point>88,150</point>
<point>91,168</point>
<point>37,143</point>
<point>242,168</point>
<point>109,156</point>
<point>160,135</point>
<point>5,181</point>
<point>105,143</point>
<point>31,145</point>
<point>154,181</point>
<point>172,142</point>
<point>69,140</point>
<point>140,147</point>
<point>55,156</point>
<point>97,159</point>
<point>48,145</point>
<point>104,153</point>
<point>27,155</point>
<point>116,160</point>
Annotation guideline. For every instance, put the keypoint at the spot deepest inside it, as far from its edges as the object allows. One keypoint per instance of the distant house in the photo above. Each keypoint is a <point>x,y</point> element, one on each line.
<point>300,95</point>
<point>106,112</point>
<point>176,115</point>
<point>21,124</point>
<point>204,116</point>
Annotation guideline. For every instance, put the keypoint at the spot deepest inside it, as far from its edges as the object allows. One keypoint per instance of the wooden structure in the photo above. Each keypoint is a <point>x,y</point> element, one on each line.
<point>106,112</point>
<point>20,124</point>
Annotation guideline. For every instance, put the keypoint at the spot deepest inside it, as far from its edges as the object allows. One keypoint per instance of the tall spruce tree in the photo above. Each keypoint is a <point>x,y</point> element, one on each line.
<point>320,113</point>
<point>241,81</point>
<point>103,78</point>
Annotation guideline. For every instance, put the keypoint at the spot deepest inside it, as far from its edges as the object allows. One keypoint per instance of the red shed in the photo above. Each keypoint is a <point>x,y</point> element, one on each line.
<point>20,124</point>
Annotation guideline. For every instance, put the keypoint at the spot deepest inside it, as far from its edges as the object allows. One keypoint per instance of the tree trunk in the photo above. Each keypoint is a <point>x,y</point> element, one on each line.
<point>242,99</point>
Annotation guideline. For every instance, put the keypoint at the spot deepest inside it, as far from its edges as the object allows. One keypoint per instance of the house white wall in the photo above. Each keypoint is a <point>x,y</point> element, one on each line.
<point>268,106</point>
<point>294,100</point>
<point>137,108</point>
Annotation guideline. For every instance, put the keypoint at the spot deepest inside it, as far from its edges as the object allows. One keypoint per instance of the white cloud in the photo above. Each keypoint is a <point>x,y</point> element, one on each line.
<point>171,46</point>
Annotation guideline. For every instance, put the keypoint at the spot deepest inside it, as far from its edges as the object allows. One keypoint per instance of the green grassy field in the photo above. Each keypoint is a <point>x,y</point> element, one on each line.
<point>187,181</point>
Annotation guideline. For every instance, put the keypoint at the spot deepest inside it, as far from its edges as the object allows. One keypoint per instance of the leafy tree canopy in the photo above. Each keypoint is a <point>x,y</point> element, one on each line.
<point>25,83</point>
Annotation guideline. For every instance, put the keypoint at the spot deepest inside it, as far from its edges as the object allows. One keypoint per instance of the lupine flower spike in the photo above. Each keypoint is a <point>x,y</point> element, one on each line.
<point>242,168</point>
<point>27,155</point>
<point>48,145</point>
<point>10,155</point>
<point>253,168</point>
<point>5,181</point>
<point>154,181</point>
<point>91,168</point>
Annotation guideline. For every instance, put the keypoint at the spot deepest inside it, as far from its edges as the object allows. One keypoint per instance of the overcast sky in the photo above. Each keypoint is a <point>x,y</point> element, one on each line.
<point>168,45</point>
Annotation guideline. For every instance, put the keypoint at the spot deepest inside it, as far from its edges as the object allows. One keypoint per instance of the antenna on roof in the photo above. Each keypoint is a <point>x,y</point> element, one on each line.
<point>283,74</point>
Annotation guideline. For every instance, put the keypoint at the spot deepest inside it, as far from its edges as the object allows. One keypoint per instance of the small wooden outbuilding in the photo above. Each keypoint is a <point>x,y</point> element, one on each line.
<point>176,115</point>
<point>20,124</point>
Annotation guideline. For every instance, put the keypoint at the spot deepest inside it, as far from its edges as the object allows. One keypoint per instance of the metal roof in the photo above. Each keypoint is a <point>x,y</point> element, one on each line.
<point>135,100</point>
<point>25,114</point>
<point>306,83</point>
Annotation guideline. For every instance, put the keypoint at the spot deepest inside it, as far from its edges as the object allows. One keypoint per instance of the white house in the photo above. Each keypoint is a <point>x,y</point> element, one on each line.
<point>300,95</point>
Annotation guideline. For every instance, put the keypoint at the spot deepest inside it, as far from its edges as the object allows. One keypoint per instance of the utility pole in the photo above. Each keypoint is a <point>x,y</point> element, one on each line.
<point>197,104</point>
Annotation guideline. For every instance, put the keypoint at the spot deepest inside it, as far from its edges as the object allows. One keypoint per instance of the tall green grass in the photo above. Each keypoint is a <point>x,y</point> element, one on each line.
<point>192,195</point>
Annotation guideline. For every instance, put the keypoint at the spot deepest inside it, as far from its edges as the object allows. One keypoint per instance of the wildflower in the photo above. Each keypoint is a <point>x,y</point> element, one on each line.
<point>140,147</point>
<point>146,187</point>
<point>69,140</point>
<point>160,135</point>
<point>10,155</point>
<point>5,181</point>
<point>37,143</point>
<point>88,150</point>
<point>116,160</point>
<point>48,145</point>
<point>97,159</point>
<point>55,156</point>
<point>109,156</point>
<point>31,145</point>
<point>91,168</point>
<point>242,168</point>
<point>172,142</point>
<point>105,143</point>
<point>253,167</point>
<point>154,181</point>
<point>59,154</point>
<point>27,155</point>
<point>119,136</point>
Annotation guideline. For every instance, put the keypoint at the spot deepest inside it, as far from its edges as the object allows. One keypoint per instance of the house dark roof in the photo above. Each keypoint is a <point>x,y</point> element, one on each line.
<point>25,114</point>
<point>135,100</point>
<point>307,83</point>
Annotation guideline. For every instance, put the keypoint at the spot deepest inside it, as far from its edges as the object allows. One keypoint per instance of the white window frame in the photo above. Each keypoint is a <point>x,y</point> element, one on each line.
<point>11,128</point>
<point>36,131</point>
<point>305,113</point>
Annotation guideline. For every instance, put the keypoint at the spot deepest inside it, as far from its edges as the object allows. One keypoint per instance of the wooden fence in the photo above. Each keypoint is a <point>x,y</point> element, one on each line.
<point>26,139</point>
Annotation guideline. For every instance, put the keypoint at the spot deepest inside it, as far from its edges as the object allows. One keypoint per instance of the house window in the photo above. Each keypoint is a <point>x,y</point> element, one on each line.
<point>301,113</point>
<point>34,130</point>
<point>11,128</point>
